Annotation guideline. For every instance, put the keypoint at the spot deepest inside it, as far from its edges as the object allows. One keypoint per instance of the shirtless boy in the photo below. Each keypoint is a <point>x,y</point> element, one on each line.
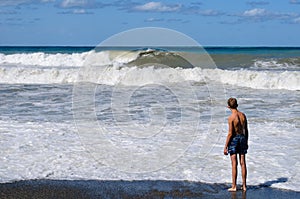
<point>237,142</point>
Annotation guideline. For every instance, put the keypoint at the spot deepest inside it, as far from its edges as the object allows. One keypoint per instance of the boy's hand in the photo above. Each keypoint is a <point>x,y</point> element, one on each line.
<point>225,151</point>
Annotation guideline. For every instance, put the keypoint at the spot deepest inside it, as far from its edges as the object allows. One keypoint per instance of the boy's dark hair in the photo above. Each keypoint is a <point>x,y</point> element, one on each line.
<point>232,103</point>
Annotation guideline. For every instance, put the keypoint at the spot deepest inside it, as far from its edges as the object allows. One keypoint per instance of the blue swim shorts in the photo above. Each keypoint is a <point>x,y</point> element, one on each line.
<point>238,144</point>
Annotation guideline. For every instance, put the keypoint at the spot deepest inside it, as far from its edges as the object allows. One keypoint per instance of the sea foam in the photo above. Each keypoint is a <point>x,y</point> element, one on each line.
<point>43,59</point>
<point>120,67</point>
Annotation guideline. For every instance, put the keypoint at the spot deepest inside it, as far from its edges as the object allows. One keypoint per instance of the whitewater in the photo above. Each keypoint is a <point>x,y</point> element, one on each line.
<point>43,68</point>
<point>159,121</point>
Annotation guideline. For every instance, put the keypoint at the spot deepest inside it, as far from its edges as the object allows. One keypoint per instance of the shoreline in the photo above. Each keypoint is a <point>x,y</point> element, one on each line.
<point>43,188</point>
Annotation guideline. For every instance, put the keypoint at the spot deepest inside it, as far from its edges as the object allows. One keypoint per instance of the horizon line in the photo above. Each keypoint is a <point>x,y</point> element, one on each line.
<point>205,46</point>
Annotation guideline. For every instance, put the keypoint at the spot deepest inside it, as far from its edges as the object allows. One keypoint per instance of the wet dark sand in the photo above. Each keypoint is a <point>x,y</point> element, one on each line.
<point>136,189</point>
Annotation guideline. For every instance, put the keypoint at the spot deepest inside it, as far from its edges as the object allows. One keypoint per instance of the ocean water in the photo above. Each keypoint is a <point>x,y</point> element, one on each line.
<point>132,114</point>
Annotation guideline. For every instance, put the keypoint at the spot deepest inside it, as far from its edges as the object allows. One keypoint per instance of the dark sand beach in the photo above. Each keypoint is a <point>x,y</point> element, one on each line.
<point>137,189</point>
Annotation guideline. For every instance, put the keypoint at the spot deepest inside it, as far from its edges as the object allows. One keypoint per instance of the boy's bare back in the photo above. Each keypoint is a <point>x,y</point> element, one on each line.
<point>239,123</point>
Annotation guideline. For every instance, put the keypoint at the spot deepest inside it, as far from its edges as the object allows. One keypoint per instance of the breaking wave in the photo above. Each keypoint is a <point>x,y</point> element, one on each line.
<point>137,68</point>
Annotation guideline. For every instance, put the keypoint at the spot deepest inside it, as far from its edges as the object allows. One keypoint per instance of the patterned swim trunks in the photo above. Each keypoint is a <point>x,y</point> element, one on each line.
<point>238,144</point>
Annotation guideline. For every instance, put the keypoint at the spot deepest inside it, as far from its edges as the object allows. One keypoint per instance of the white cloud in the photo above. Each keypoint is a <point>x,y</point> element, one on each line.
<point>158,7</point>
<point>255,12</point>
<point>8,12</point>
<point>73,3</point>
<point>261,15</point>
<point>13,2</point>
<point>19,2</point>
<point>153,19</point>
<point>76,11</point>
<point>294,2</point>
<point>79,11</point>
<point>297,20</point>
<point>81,4</point>
<point>210,13</point>
<point>257,3</point>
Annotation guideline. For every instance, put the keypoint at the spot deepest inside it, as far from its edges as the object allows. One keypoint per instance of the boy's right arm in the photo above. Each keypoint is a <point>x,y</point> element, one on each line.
<point>228,136</point>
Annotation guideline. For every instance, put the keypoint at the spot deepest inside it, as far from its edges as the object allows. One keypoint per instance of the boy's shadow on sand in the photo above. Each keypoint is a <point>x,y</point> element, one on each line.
<point>270,183</point>
<point>137,189</point>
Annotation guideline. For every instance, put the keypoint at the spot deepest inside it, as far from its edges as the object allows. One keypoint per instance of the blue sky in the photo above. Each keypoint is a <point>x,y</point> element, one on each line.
<point>210,22</point>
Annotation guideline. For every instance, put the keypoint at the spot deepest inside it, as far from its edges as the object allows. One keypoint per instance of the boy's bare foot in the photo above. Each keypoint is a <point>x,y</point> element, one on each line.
<point>244,188</point>
<point>232,189</point>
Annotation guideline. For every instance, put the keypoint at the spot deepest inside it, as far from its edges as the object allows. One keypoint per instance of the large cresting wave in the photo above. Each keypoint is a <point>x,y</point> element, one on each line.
<point>131,69</point>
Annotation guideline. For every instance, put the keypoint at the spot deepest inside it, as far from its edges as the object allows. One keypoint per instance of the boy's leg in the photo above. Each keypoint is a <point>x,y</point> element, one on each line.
<point>242,158</point>
<point>234,171</point>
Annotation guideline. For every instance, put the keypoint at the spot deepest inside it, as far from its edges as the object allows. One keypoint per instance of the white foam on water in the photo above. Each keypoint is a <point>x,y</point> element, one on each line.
<point>289,80</point>
<point>288,64</point>
<point>32,150</point>
<point>110,67</point>
<point>64,59</point>
<point>34,75</point>
<point>43,59</point>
